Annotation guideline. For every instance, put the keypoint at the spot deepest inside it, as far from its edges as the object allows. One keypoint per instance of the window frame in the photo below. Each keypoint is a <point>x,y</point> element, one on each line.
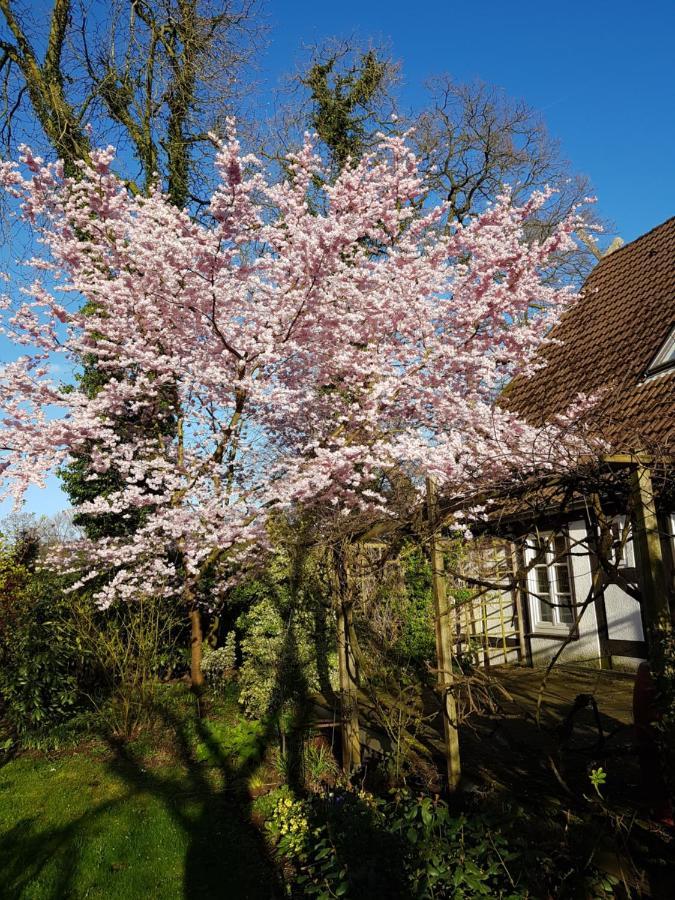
<point>556,627</point>
<point>664,360</point>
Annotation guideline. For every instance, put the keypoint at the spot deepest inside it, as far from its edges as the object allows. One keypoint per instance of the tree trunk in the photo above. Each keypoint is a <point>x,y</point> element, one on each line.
<point>347,668</point>
<point>196,675</point>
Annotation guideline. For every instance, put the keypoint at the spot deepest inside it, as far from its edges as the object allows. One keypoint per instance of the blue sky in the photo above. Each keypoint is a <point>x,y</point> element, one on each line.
<point>602,74</point>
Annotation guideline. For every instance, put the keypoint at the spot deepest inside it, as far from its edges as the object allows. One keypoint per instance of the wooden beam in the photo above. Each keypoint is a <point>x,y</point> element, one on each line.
<point>594,543</point>
<point>629,649</point>
<point>349,698</point>
<point>520,603</point>
<point>444,638</point>
<point>603,630</point>
<point>627,459</point>
<point>649,564</point>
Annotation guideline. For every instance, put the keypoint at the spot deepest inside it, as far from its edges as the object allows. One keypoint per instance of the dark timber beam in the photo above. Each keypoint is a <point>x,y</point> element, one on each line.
<point>650,564</point>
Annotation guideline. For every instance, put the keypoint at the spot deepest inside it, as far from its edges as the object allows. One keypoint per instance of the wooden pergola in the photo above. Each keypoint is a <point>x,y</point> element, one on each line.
<point>652,579</point>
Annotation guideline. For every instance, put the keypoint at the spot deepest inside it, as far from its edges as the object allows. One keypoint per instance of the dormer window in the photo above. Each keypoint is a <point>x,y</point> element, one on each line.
<point>665,358</point>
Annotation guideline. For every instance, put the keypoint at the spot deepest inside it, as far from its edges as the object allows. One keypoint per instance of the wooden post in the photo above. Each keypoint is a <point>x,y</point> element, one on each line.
<point>443,642</point>
<point>520,604</point>
<point>597,579</point>
<point>485,627</point>
<point>347,666</point>
<point>653,695</point>
<point>650,566</point>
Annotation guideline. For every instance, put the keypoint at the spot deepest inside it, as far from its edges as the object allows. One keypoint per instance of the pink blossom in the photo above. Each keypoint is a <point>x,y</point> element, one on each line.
<point>311,347</point>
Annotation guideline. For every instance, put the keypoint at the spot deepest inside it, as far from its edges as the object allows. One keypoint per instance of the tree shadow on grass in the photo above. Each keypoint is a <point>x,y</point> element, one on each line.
<point>27,851</point>
<point>205,793</point>
<point>207,796</point>
<point>203,786</point>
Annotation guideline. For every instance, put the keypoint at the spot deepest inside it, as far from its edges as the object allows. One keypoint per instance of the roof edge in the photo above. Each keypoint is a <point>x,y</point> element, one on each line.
<point>640,237</point>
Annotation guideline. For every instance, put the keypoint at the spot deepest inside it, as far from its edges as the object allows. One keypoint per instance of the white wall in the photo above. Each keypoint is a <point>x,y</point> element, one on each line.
<point>624,619</point>
<point>587,647</point>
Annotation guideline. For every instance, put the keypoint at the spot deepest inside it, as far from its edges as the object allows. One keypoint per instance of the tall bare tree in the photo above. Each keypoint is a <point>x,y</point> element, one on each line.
<point>152,76</point>
<point>473,139</point>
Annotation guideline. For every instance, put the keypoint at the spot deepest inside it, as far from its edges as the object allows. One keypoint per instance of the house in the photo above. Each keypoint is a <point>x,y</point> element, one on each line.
<point>593,555</point>
<point>576,566</point>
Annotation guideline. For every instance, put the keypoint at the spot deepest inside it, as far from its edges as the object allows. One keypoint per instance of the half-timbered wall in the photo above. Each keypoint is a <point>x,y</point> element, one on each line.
<point>585,645</point>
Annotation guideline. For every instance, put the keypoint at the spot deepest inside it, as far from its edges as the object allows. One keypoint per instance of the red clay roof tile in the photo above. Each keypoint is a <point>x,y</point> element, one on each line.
<point>609,338</point>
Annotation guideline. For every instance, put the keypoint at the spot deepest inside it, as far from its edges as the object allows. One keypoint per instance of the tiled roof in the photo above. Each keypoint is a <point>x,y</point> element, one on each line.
<point>609,338</point>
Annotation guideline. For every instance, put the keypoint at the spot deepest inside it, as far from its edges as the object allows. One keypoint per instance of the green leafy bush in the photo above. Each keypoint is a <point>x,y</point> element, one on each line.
<point>452,855</point>
<point>41,655</point>
<point>355,845</point>
<point>417,642</point>
<point>218,665</point>
<point>287,642</point>
<point>278,658</point>
<point>131,646</point>
<point>60,655</point>
<point>337,846</point>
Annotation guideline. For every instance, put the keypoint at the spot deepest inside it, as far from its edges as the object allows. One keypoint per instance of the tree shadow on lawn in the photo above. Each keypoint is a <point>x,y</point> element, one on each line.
<point>205,793</point>
<point>208,799</point>
<point>202,784</point>
<point>27,852</point>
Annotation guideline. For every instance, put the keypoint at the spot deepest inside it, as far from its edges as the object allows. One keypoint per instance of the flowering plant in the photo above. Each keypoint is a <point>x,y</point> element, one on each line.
<point>302,346</point>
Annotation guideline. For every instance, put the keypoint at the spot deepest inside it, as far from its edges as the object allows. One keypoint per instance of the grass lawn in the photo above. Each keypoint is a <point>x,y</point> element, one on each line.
<point>171,815</point>
<point>167,816</point>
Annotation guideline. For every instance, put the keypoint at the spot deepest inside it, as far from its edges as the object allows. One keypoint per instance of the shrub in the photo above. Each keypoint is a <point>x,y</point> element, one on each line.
<point>218,665</point>
<point>60,654</point>
<point>280,656</point>
<point>355,845</point>
<point>417,642</point>
<point>41,655</point>
<point>131,646</point>
<point>451,855</point>
<point>350,843</point>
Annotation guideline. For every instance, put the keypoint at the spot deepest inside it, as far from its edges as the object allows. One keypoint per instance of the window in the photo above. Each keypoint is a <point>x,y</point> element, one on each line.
<point>622,544</point>
<point>550,582</point>
<point>665,358</point>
